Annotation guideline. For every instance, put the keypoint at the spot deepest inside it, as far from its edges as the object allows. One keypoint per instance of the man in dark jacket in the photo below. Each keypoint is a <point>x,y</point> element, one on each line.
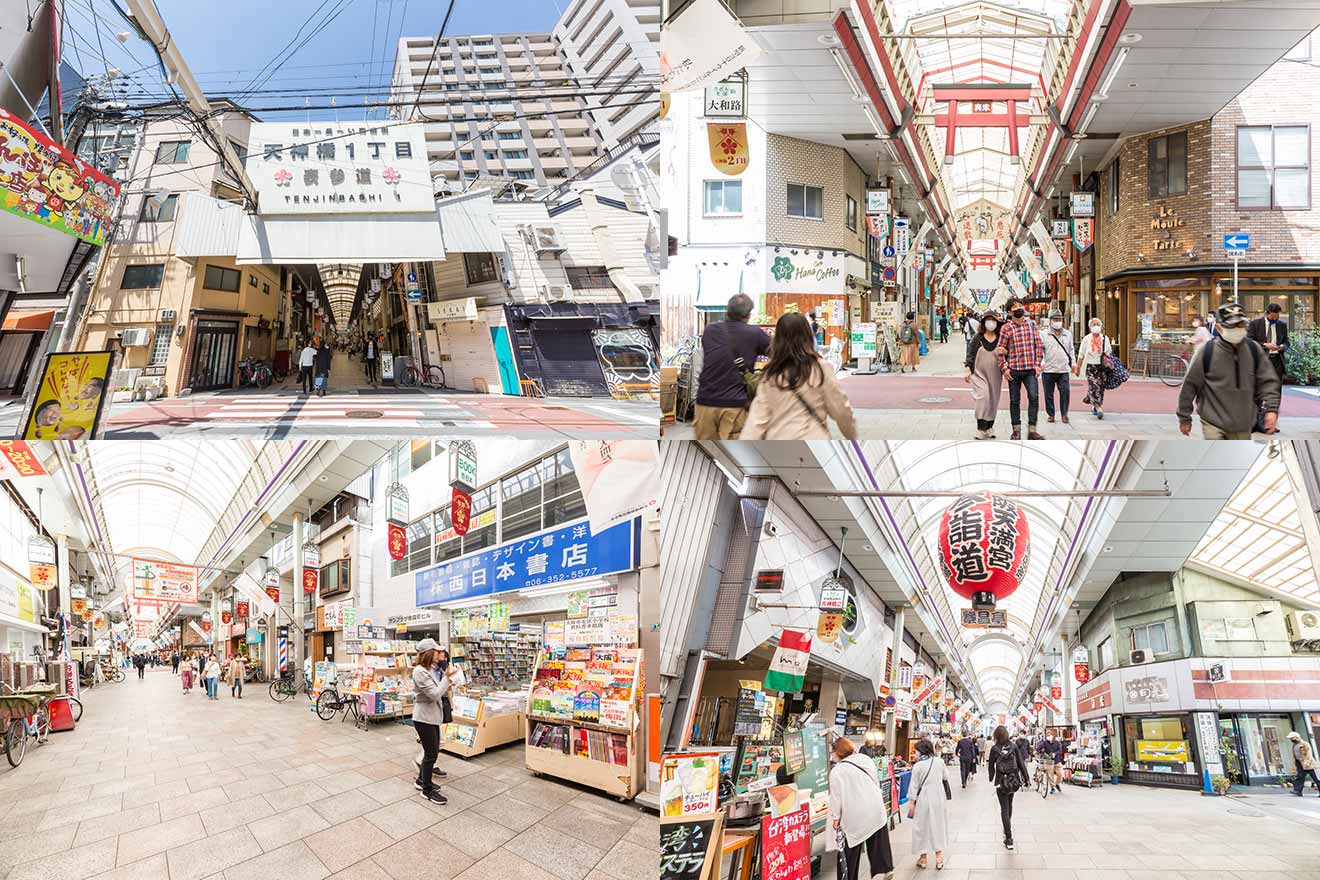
<point>321,366</point>
<point>1271,332</point>
<point>1230,382</point>
<point>729,348</point>
<point>966,750</point>
<point>370,356</point>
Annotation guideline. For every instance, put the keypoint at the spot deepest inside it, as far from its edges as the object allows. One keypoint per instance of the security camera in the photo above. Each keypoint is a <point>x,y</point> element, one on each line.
<point>770,529</point>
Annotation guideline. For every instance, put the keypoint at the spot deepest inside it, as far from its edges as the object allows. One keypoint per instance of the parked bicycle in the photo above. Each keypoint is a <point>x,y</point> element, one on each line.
<point>330,701</point>
<point>432,376</point>
<point>254,373</point>
<point>283,688</point>
<point>23,716</point>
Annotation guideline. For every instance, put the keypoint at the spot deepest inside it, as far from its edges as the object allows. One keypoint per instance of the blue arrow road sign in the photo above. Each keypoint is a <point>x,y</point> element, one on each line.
<point>889,250</point>
<point>1237,241</point>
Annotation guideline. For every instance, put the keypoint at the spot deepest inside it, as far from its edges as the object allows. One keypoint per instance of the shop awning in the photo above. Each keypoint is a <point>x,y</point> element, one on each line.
<point>208,227</point>
<point>18,623</point>
<point>716,282</point>
<point>469,224</point>
<point>29,319</point>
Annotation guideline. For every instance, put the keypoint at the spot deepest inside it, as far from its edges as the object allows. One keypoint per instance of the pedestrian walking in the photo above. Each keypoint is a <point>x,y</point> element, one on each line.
<point>321,365</point>
<point>1229,382</point>
<point>857,804</point>
<point>237,672</point>
<point>186,674</point>
<point>212,674</point>
<point>1200,332</point>
<point>944,326</point>
<point>140,662</point>
<point>967,753</point>
<point>174,662</point>
<point>1305,762</point>
<point>1056,363</point>
<point>1020,353</point>
<point>428,715</point>
<point>371,357</point>
<point>909,343</point>
<point>1091,352</point>
<point>1271,332</point>
<point>984,374</point>
<point>306,362</point>
<point>1008,772</point>
<point>798,393</point>
<point>927,806</point>
<point>726,375</point>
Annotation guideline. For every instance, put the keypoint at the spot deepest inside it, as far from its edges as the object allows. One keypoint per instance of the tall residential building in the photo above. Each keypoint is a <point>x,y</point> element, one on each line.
<point>611,46</point>
<point>546,136</point>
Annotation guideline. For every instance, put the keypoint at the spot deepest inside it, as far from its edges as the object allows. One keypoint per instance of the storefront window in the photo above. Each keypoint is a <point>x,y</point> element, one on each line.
<point>1168,316</point>
<point>1265,739</point>
<point>563,495</point>
<point>1152,637</point>
<point>1298,306</point>
<point>1159,744</point>
<point>1107,653</point>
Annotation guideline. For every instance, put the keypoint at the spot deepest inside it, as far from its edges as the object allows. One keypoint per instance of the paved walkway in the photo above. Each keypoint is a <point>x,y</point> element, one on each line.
<point>1114,832</point>
<point>155,785</point>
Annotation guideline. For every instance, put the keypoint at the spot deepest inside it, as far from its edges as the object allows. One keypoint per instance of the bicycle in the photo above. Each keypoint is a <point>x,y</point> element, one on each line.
<point>25,716</point>
<point>433,377</point>
<point>1044,778</point>
<point>283,688</point>
<point>329,702</point>
<point>254,373</point>
<point>1173,369</point>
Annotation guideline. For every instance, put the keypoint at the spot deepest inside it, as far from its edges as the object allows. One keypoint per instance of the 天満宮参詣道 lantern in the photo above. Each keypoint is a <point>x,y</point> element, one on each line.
<point>984,547</point>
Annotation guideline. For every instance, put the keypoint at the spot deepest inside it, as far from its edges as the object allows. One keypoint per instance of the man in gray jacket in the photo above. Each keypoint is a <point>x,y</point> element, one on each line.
<point>1230,380</point>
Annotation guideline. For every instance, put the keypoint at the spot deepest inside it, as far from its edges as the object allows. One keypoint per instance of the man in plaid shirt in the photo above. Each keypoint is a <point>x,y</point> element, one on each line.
<point>1020,354</point>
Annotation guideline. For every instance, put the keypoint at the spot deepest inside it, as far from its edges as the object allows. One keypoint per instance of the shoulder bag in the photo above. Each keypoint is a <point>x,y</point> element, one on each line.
<point>1066,350</point>
<point>749,376</point>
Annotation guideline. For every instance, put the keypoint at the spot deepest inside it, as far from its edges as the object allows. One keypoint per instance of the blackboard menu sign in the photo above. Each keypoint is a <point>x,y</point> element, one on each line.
<point>747,714</point>
<point>795,757</point>
<point>690,847</point>
<point>816,775</point>
<point>786,846</point>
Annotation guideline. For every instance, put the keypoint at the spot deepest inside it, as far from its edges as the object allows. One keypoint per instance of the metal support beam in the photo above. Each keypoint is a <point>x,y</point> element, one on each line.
<point>891,724</point>
<point>980,92</point>
<point>1020,493</point>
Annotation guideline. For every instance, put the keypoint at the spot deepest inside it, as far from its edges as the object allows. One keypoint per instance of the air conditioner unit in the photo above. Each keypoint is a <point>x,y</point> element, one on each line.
<point>546,239</point>
<point>1138,656</point>
<point>135,336</point>
<point>168,316</point>
<point>1303,626</point>
<point>556,292</point>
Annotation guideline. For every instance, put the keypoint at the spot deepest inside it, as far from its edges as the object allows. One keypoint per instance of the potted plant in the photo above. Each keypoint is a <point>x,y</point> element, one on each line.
<point>1115,768</point>
<point>1220,784</point>
<point>1302,358</point>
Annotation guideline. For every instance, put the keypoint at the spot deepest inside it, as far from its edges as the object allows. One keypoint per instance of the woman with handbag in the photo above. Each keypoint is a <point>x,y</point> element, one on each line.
<point>857,805</point>
<point>1091,354</point>
<point>797,394</point>
<point>927,792</point>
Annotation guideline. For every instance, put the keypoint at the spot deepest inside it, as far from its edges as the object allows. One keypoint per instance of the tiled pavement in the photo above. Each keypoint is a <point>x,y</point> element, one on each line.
<point>1118,832</point>
<point>155,785</point>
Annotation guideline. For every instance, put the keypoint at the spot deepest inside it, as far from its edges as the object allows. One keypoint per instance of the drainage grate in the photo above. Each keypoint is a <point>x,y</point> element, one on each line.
<point>364,414</point>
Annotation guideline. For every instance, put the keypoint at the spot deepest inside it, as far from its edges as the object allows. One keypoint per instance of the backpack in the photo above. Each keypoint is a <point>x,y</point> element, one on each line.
<point>1006,767</point>
<point>907,337</point>
<point>1208,350</point>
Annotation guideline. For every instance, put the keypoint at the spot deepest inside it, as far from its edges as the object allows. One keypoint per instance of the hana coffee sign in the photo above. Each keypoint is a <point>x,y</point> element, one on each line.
<point>805,272</point>
<point>729,151</point>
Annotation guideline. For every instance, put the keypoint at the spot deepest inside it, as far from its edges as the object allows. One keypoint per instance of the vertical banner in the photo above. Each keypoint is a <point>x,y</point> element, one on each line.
<point>70,396</point>
<point>729,151</point>
<point>1031,263</point>
<point>460,510</point>
<point>918,244</point>
<point>618,479</point>
<point>1053,262</point>
<point>788,668</point>
<point>702,45</point>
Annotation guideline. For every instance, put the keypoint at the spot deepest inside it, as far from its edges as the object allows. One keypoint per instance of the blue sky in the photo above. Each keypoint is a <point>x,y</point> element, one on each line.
<point>225,42</point>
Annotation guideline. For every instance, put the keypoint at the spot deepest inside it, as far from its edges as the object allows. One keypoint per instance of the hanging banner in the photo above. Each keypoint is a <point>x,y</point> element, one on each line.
<point>1053,262</point>
<point>1044,698</point>
<point>1083,233</point>
<point>18,460</point>
<point>226,617</point>
<point>398,542</point>
<point>311,580</point>
<point>241,610</point>
<point>729,151</point>
<point>156,581</point>
<point>203,632</point>
<point>918,244</point>
<point>619,479</point>
<point>1031,263</point>
<point>788,667</point>
<point>460,511</point>
<point>1015,284</point>
<point>928,690</point>
<point>828,626</point>
<point>274,594</point>
<point>701,46</point>
<point>70,396</point>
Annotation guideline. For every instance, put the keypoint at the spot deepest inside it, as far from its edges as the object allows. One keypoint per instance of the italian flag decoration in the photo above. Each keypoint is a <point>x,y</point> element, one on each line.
<point>788,669</point>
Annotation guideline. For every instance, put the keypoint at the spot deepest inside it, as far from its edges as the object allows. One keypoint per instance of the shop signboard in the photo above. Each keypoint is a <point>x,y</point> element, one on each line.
<point>410,619</point>
<point>1163,751</point>
<point>864,340</point>
<point>877,201</point>
<point>70,396</point>
<point>786,846</point>
<point>904,677</point>
<point>460,510</point>
<point>730,151</point>
<point>981,618</point>
<point>618,479</point>
<point>554,634</point>
<point>690,847</point>
<point>156,581</point>
<point>689,783</point>
<point>902,710</point>
<point>453,310</point>
<point>703,44</point>
<point>814,272</point>
<point>18,460</point>
<point>587,631</point>
<point>727,98</point>
<point>1083,233</point>
<point>559,555</point>
<point>833,595</point>
<point>1207,735</point>
<point>749,709</point>
<point>1060,229</point>
<point>795,759</point>
<point>902,236</point>
<point>254,636</point>
<point>1083,204</point>
<point>623,630</point>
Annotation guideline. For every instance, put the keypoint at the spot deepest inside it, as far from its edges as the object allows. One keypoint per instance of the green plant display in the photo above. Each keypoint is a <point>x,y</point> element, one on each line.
<point>1302,359</point>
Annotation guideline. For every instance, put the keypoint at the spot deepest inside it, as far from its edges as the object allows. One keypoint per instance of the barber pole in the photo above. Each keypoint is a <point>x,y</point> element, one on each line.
<point>284,653</point>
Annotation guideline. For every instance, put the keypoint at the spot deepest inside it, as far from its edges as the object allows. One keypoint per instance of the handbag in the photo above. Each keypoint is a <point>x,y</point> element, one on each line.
<point>948,793</point>
<point>1115,372</point>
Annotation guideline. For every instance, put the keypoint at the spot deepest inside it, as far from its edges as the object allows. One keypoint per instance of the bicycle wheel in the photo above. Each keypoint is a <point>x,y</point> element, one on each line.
<point>327,704</point>
<point>278,693</point>
<point>75,707</point>
<point>1172,370</point>
<point>15,742</point>
<point>119,675</point>
<point>435,376</point>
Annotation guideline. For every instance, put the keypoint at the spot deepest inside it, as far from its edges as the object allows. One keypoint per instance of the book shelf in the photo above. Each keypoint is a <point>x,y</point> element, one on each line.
<point>483,721</point>
<point>499,658</point>
<point>381,676</point>
<point>582,717</point>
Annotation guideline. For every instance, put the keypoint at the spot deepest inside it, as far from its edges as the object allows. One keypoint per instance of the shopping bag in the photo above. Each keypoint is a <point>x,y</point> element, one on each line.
<point>1115,372</point>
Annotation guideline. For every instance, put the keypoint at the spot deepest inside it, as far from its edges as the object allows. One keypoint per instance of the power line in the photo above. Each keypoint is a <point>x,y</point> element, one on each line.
<point>286,46</point>
<point>435,49</point>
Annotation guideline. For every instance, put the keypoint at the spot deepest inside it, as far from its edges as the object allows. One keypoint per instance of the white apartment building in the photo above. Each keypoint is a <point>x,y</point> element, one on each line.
<point>611,46</point>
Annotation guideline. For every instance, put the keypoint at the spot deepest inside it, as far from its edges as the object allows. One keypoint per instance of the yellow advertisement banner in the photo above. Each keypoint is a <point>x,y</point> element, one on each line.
<point>1161,751</point>
<point>26,605</point>
<point>42,575</point>
<point>829,625</point>
<point>70,397</point>
<point>78,605</point>
<point>729,152</point>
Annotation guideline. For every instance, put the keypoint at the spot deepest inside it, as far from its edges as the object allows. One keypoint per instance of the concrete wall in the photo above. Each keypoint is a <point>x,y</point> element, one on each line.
<point>789,160</point>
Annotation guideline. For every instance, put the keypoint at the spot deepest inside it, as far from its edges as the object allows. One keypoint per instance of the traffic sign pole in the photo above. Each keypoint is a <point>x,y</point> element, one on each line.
<point>1237,257</point>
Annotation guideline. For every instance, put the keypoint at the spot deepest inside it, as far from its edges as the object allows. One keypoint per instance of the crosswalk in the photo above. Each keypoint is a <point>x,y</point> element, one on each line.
<point>378,410</point>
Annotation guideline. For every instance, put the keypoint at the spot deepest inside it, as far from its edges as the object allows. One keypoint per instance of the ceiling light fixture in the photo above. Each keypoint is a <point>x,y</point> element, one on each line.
<point>1113,71</point>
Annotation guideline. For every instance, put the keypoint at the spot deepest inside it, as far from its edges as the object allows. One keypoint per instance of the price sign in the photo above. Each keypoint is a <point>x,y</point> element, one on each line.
<point>786,846</point>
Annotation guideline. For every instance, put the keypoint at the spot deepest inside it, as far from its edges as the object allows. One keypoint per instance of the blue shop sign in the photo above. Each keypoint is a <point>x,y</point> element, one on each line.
<point>564,553</point>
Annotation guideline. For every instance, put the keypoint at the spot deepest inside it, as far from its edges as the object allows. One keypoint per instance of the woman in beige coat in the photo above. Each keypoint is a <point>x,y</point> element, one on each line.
<point>797,394</point>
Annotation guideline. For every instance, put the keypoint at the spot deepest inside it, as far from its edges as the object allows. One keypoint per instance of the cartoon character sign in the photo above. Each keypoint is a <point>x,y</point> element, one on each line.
<point>69,398</point>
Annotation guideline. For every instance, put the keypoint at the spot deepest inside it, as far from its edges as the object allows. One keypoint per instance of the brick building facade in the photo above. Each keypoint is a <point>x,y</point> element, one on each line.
<point>1160,259</point>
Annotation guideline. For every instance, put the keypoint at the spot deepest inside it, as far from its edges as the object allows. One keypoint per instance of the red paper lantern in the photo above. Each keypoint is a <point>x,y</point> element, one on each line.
<point>984,547</point>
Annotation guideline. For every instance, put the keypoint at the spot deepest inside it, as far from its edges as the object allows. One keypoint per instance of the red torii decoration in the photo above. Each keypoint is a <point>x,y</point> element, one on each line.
<point>951,94</point>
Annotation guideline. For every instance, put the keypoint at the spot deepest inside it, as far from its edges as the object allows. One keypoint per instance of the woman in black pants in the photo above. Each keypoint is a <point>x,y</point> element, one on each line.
<point>1008,772</point>
<point>428,714</point>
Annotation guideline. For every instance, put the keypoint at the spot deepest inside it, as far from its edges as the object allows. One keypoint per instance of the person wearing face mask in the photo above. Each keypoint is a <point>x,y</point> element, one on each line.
<point>984,374</point>
<point>1055,365</point>
<point>909,343</point>
<point>1271,332</point>
<point>1200,332</point>
<point>1020,354</point>
<point>1230,381</point>
<point>1091,356</point>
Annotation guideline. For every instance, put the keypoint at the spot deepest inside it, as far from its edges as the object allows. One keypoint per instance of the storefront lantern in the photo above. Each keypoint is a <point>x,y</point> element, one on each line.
<point>984,547</point>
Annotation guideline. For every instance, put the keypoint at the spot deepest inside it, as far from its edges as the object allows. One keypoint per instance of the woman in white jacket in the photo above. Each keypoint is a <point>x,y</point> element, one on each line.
<point>927,806</point>
<point>858,807</point>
